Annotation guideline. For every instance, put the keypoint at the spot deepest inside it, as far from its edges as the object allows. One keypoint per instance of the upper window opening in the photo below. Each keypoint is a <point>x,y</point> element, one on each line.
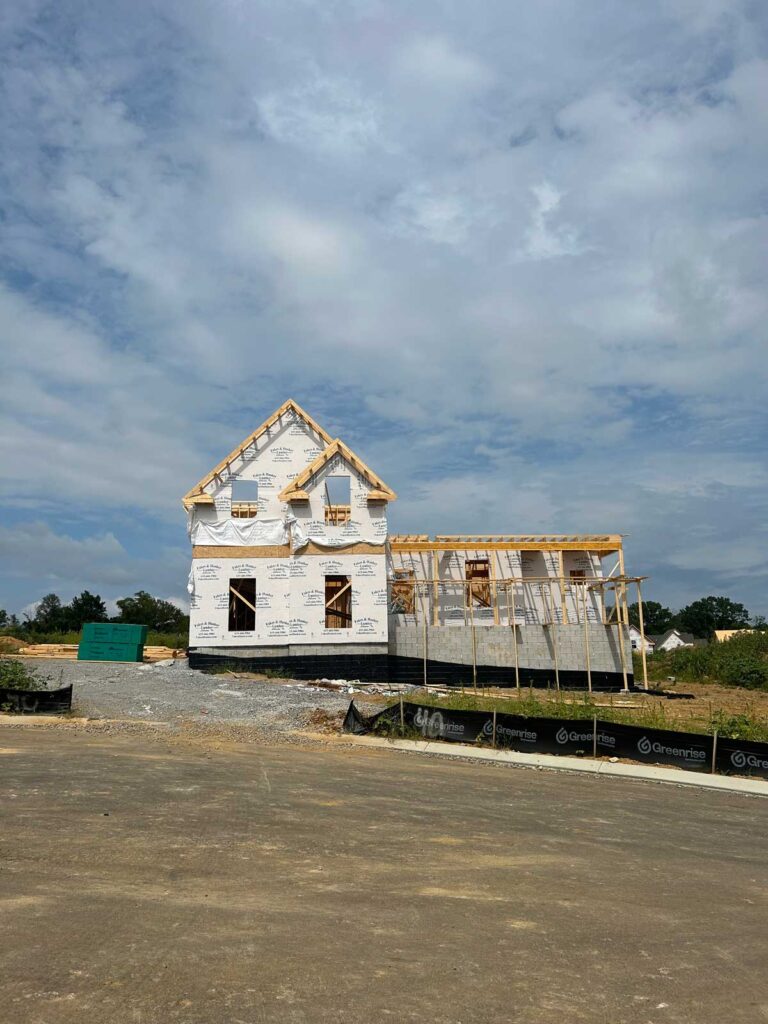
<point>338,500</point>
<point>245,498</point>
<point>478,574</point>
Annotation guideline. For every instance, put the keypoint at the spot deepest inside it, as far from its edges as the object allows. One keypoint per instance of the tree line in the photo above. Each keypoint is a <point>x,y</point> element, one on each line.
<point>52,616</point>
<point>701,617</point>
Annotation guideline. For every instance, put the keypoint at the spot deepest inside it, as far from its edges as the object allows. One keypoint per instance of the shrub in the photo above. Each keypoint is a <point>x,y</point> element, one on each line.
<point>741,661</point>
<point>14,675</point>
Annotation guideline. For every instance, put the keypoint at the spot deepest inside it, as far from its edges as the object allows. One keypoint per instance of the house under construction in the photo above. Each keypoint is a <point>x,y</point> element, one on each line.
<point>293,568</point>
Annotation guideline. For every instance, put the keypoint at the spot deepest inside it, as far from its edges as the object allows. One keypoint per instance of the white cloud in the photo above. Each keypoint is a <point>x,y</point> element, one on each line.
<point>204,215</point>
<point>436,63</point>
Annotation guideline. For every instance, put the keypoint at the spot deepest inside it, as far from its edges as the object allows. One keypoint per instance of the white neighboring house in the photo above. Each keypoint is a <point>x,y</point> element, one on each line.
<point>639,641</point>
<point>673,639</point>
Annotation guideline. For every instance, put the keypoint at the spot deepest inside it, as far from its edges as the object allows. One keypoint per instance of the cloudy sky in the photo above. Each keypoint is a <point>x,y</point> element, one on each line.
<point>514,254</point>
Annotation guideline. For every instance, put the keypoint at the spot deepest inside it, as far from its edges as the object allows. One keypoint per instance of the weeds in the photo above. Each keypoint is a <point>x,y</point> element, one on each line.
<point>15,675</point>
<point>748,725</point>
<point>740,662</point>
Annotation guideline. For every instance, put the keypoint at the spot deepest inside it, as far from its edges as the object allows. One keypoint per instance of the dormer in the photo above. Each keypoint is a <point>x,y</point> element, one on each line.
<point>326,471</point>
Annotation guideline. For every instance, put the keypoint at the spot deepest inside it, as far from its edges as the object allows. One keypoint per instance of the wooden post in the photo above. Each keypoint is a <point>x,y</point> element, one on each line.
<point>642,635</point>
<point>625,613</point>
<point>550,607</point>
<point>474,656</point>
<point>594,736</point>
<point>620,636</point>
<point>563,604</point>
<point>424,620</point>
<point>435,588</point>
<point>513,624</point>
<point>586,636</point>
<point>494,728</point>
<point>492,556</point>
<point>402,715</point>
<point>714,750</point>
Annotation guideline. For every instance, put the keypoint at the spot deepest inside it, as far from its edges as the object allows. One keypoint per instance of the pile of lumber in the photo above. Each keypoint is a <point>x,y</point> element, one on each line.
<point>49,651</point>
<point>163,653</point>
<point>70,651</point>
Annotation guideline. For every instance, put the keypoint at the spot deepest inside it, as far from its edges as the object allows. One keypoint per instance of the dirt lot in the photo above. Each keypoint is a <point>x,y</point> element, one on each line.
<point>178,696</point>
<point>143,879</point>
<point>176,693</point>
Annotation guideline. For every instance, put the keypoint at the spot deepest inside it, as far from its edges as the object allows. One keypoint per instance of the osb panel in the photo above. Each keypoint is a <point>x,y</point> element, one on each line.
<point>262,551</point>
<point>360,548</point>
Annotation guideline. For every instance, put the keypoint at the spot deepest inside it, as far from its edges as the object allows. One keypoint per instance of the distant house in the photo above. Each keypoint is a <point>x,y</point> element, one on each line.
<point>721,635</point>
<point>639,641</point>
<point>673,639</point>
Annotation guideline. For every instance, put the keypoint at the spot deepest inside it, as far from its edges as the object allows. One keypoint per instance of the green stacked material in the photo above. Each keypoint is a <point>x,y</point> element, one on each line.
<point>112,641</point>
<point>114,633</point>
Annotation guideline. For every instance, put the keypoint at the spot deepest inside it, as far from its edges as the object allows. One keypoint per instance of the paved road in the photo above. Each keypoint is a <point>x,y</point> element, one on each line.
<point>146,881</point>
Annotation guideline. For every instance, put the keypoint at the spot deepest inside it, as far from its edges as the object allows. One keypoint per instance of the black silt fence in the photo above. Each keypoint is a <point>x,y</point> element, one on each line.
<point>41,702</point>
<point>692,751</point>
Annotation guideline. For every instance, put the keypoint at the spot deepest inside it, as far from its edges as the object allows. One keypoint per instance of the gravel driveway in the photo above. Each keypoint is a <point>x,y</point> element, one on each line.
<point>175,693</point>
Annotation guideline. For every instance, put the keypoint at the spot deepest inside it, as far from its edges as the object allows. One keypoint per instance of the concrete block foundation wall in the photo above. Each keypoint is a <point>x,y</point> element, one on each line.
<point>449,654</point>
<point>369,662</point>
<point>449,657</point>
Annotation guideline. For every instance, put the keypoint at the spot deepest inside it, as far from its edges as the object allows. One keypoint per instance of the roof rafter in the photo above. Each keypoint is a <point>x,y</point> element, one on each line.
<point>295,490</point>
<point>215,473</point>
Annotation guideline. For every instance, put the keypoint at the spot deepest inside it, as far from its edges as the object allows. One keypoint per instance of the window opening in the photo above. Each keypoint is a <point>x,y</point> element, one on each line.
<point>242,604</point>
<point>245,499</point>
<point>338,500</point>
<point>338,602</point>
<point>478,574</point>
<point>403,591</point>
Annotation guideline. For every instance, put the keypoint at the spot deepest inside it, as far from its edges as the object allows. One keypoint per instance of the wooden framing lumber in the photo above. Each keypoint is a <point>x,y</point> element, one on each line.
<point>240,597</point>
<point>337,447</point>
<point>258,551</point>
<point>600,545</point>
<point>358,548</point>
<point>225,463</point>
<point>563,602</point>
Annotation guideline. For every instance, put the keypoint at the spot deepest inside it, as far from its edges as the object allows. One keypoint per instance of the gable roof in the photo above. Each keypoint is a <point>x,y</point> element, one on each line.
<point>295,490</point>
<point>197,496</point>
<point>687,638</point>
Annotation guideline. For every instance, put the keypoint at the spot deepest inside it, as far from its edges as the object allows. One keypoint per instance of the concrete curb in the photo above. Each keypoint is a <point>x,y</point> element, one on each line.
<point>650,773</point>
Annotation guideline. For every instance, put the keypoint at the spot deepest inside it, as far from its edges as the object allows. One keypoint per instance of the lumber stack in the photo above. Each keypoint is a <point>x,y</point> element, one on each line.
<point>49,651</point>
<point>69,651</point>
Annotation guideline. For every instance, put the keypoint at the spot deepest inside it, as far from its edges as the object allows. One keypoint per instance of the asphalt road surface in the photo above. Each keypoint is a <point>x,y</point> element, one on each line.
<point>144,880</point>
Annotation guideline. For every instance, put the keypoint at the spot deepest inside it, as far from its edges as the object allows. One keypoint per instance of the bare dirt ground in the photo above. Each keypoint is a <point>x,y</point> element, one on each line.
<point>144,879</point>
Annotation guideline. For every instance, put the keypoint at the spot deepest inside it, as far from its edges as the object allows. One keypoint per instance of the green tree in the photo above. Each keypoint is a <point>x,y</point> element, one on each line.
<point>704,616</point>
<point>49,615</point>
<point>656,618</point>
<point>145,610</point>
<point>86,607</point>
<point>4,618</point>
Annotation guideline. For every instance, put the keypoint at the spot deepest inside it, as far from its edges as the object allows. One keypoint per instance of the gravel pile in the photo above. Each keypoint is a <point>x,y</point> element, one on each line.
<point>174,693</point>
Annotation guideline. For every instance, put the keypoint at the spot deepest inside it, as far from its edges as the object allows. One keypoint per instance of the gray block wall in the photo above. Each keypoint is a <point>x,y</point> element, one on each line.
<point>295,650</point>
<point>535,646</point>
